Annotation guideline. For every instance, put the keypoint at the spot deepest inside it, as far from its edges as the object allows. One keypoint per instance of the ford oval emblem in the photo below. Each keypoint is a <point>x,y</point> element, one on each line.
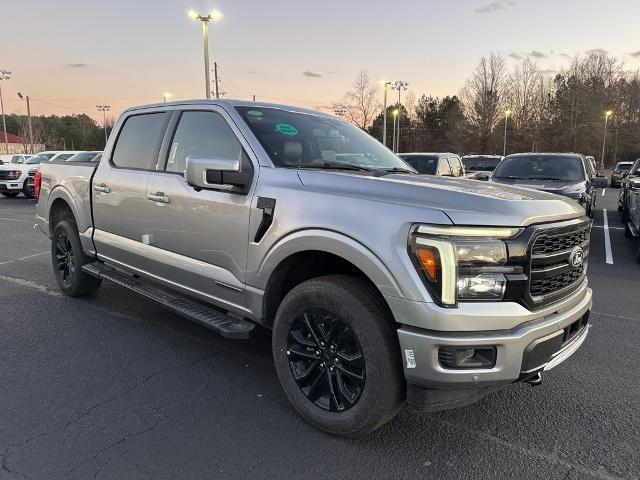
<point>577,257</point>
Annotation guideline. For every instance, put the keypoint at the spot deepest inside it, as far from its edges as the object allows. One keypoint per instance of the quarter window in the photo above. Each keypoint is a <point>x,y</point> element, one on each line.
<point>202,134</point>
<point>443,167</point>
<point>456,166</point>
<point>139,141</point>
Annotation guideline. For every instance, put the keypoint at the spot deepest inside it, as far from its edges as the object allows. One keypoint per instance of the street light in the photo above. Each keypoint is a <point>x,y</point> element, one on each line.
<point>104,109</point>
<point>507,113</point>
<point>4,75</point>
<point>607,114</point>
<point>214,16</point>
<point>398,85</point>
<point>395,115</point>
<point>384,124</point>
<point>166,95</point>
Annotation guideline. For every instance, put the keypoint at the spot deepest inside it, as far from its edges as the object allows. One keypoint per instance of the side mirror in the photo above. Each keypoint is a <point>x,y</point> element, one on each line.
<point>216,174</point>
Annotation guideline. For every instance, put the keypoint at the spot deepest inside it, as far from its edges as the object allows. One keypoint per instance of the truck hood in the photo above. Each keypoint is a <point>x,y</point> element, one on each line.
<point>19,166</point>
<point>465,202</point>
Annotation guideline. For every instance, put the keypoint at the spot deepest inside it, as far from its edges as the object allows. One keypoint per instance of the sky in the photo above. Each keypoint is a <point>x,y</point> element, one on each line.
<point>70,55</point>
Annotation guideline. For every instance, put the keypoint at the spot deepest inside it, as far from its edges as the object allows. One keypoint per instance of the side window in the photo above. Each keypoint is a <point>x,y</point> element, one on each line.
<point>139,141</point>
<point>202,134</point>
<point>443,167</point>
<point>456,166</point>
<point>417,163</point>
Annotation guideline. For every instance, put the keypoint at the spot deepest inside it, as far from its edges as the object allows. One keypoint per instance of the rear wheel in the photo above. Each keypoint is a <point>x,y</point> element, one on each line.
<point>336,353</point>
<point>68,258</point>
<point>10,194</point>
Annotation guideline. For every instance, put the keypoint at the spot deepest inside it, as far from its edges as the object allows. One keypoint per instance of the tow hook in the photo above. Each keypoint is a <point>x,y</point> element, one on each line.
<point>535,380</point>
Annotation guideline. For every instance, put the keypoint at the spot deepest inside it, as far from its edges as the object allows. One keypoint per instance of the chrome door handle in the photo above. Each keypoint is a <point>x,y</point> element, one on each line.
<point>158,197</point>
<point>101,188</point>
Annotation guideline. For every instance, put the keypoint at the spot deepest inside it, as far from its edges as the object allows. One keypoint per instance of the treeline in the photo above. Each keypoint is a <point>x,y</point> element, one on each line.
<point>561,112</point>
<point>73,132</point>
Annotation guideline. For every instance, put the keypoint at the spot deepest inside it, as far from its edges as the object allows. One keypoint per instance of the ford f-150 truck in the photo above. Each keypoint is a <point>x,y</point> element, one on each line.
<point>381,287</point>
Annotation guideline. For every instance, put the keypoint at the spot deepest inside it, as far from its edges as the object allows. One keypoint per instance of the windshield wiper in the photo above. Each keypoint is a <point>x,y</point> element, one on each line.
<point>330,166</point>
<point>509,177</point>
<point>383,171</point>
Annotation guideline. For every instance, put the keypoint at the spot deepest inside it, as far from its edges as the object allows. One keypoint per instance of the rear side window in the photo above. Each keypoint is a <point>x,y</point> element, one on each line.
<point>443,167</point>
<point>456,166</point>
<point>139,141</point>
<point>205,135</point>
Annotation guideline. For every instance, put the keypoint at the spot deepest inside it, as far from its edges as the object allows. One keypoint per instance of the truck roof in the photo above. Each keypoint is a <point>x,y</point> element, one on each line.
<point>229,103</point>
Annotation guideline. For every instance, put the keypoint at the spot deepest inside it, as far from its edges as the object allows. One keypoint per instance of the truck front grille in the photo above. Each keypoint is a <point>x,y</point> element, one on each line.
<point>555,270</point>
<point>9,174</point>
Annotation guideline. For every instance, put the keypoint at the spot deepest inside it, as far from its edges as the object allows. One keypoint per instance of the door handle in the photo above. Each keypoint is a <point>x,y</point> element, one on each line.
<point>158,197</point>
<point>101,188</point>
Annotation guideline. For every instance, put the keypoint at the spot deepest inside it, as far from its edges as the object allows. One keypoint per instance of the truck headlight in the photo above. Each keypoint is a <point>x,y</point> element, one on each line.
<point>462,263</point>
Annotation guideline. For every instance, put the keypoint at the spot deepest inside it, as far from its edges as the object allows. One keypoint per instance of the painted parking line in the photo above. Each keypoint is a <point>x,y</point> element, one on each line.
<point>610,227</point>
<point>604,190</point>
<point>607,239</point>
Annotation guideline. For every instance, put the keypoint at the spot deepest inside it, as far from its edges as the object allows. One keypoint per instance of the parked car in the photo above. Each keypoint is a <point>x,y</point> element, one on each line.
<point>623,196</point>
<point>13,158</point>
<point>85,157</point>
<point>567,174</point>
<point>480,167</point>
<point>632,220</point>
<point>439,164</point>
<point>16,177</point>
<point>380,286</point>
<point>622,168</point>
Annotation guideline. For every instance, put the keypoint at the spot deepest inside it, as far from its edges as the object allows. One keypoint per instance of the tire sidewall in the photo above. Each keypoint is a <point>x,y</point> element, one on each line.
<point>374,405</point>
<point>70,230</point>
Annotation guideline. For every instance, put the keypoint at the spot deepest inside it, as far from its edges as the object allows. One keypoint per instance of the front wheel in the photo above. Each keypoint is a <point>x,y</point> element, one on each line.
<point>68,257</point>
<point>27,189</point>
<point>336,352</point>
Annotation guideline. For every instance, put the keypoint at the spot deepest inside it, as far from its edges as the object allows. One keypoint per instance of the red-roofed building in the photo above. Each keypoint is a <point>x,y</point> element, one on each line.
<point>16,144</point>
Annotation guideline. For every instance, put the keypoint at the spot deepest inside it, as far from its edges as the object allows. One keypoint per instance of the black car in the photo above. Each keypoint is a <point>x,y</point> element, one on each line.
<point>623,197</point>
<point>622,168</point>
<point>566,174</point>
<point>479,167</point>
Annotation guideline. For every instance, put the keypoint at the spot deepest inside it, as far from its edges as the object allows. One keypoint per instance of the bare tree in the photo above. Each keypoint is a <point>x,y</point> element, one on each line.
<point>360,105</point>
<point>482,97</point>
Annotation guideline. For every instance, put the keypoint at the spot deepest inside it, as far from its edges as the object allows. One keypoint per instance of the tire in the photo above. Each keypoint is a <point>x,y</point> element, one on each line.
<point>67,257</point>
<point>10,194</point>
<point>638,256</point>
<point>27,190</point>
<point>364,327</point>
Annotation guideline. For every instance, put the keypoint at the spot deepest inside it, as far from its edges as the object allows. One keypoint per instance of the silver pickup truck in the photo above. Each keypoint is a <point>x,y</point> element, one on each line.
<point>381,287</point>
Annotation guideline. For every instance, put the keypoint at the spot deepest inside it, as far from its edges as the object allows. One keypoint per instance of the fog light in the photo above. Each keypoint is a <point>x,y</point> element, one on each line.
<point>461,358</point>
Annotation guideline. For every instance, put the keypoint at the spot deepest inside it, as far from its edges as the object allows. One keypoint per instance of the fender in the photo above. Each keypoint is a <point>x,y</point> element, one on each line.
<point>331,242</point>
<point>83,220</point>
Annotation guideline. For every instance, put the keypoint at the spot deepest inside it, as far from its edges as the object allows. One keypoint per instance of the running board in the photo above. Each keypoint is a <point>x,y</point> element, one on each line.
<point>224,325</point>
<point>633,229</point>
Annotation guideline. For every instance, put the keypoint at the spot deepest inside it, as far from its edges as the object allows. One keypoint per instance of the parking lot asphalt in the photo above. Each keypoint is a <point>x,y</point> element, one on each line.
<point>114,386</point>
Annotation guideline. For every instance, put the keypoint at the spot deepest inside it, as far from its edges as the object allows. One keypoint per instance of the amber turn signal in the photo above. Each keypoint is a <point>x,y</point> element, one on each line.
<point>428,258</point>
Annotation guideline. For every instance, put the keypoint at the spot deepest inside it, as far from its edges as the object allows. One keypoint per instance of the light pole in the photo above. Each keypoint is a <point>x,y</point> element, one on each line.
<point>64,143</point>
<point>395,115</point>
<point>205,19</point>
<point>26,97</point>
<point>104,109</point>
<point>4,75</point>
<point>507,113</point>
<point>607,114</point>
<point>166,95</point>
<point>384,124</point>
<point>398,85</point>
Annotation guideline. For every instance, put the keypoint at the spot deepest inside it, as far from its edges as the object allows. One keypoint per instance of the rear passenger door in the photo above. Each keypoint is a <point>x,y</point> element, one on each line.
<point>119,189</point>
<point>199,238</point>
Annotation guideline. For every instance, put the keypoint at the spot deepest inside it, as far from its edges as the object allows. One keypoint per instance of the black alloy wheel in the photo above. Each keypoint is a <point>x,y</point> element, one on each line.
<point>65,259</point>
<point>326,360</point>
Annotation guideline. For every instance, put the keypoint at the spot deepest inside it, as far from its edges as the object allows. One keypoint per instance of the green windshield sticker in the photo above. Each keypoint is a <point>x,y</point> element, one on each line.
<point>254,113</point>
<point>286,129</point>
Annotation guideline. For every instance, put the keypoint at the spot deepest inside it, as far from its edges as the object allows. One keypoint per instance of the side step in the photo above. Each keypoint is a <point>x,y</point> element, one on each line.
<point>633,229</point>
<point>224,325</point>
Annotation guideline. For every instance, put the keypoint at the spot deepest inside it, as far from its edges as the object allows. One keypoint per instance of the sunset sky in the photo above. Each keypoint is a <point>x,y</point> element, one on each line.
<point>70,55</point>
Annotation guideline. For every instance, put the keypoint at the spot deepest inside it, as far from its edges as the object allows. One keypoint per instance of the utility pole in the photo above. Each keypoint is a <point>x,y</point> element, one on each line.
<point>398,85</point>
<point>64,143</point>
<point>4,75</point>
<point>26,97</point>
<point>384,121</point>
<point>506,120</point>
<point>205,19</point>
<point>254,98</point>
<point>215,76</point>
<point>607,114</point>
<point>104,109</point>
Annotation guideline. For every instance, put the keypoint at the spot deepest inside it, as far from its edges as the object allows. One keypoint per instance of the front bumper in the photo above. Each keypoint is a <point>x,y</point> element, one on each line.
<point>514,360</point>
<point>10,186</point>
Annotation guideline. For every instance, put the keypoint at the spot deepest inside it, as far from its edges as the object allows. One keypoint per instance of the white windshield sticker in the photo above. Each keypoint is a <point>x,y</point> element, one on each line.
<point>411,359</point>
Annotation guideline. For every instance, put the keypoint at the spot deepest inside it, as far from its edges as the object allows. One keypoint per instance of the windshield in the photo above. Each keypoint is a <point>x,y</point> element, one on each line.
<point>17,159</point>
<point>82,157</point>
<point>41,157</point>
<point>566,168</point>
<point>480,164</point>
<point>311,141</point>
<point>424,164</point>
<point>625,167</point>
